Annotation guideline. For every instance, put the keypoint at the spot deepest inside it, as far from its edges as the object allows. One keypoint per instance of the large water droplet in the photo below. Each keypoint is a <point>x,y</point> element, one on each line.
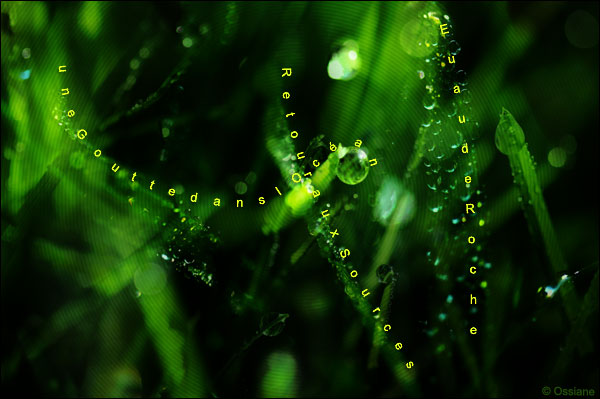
<point>353,165</point>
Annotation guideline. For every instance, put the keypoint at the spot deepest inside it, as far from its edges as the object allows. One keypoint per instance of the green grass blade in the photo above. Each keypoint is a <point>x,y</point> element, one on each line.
<point>510,140</point>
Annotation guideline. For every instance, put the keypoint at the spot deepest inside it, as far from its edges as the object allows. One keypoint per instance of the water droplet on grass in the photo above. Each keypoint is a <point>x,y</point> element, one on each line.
<point>385,274</point>
<point>353,165</point>
<point>509,138</point>
<point>273,323</point>
<point>454,47</point>
<point>461,78</point>
<point>428,101</point>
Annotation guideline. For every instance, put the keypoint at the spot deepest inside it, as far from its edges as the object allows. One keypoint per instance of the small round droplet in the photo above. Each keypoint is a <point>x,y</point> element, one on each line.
<point>385,274</point>
<point>461,77</point>
<point>454,47</point>
<point>465,96</point>
<point>428,101</point>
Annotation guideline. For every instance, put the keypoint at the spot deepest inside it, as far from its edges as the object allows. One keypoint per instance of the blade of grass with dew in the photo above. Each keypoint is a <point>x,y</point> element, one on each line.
<point>378,336</point>
<point>510,140</point>
<point>405,377</point>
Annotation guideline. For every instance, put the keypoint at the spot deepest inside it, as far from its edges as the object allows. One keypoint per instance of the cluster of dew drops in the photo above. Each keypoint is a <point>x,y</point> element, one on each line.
<point>443,136</point>
<point>189,245</point>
